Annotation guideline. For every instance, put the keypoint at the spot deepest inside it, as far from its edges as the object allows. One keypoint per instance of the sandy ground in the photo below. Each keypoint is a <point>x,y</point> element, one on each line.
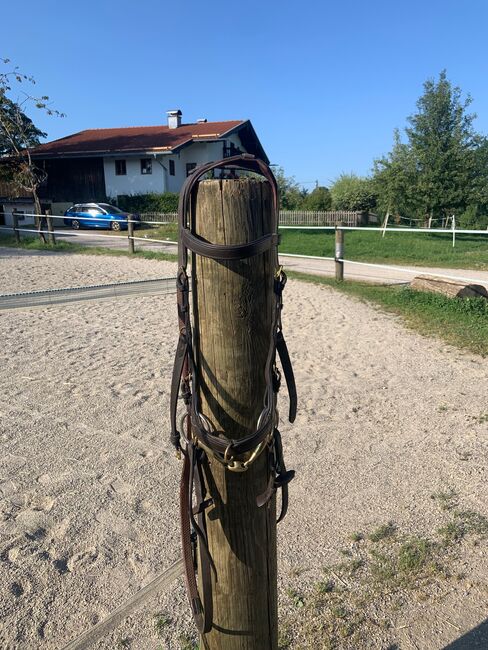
<point>88,481</point>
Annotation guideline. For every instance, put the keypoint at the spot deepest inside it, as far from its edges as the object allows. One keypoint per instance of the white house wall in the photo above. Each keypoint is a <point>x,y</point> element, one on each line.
<point>27,208</point>
<point>199,153</point>
<point>160,180</point>
<point>133,182</point>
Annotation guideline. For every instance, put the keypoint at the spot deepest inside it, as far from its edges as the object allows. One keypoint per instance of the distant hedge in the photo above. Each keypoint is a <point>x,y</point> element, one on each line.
<point>152,202</point>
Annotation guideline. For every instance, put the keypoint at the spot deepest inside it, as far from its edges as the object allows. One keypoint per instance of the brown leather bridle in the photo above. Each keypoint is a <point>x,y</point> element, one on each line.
<point>200,439</point>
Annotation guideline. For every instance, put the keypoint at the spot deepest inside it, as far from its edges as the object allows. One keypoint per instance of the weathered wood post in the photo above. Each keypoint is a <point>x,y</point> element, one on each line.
<point>15,221</point>
<point>233,314</point>
<point>339,253</point>
<point>130,235</point>
<point>49,219</point>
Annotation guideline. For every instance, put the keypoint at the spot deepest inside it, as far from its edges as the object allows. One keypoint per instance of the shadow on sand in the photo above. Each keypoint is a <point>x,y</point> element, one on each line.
<point>475,638</point>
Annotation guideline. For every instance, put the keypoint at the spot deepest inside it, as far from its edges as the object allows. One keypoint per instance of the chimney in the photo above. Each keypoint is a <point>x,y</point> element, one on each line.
<point>174,119</point>
<point>202,120</point>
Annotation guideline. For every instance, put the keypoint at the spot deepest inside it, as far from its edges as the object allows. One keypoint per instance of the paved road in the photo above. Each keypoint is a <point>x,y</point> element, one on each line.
<point>322,267</point>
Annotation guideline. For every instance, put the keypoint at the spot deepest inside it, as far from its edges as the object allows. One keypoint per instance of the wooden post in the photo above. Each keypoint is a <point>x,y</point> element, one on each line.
<point>15,220</point>
<point>130,235</point>
<point>232,305</point>
<point>49,219</point>
<point>339,254</point>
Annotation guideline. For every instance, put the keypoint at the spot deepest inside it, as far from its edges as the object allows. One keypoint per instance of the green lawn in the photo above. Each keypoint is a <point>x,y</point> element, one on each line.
<point>460,322</point>
<point>416,249</point>
<point>35,244</point>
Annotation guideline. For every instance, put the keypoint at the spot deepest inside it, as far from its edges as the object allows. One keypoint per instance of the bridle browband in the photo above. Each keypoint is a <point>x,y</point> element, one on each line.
<point>200,438</point>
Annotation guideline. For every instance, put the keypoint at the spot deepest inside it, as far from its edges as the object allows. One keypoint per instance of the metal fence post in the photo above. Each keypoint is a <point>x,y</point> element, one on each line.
<point>339,253</point>
<point>15,221</point>
<point>130,235</point>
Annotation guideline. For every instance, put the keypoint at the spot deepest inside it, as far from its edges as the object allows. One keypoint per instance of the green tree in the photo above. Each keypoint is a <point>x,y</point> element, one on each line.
<point>16,129</point>
<point>18,134</point>
<point>318,199</point>
<point>291,194</point>
<point>394,180</point>
<point>478,191</point>
<point>442,140</point>
<point>352,192</point>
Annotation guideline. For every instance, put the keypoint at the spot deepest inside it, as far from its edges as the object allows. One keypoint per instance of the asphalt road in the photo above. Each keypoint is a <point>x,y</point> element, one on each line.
<point>381,273</point>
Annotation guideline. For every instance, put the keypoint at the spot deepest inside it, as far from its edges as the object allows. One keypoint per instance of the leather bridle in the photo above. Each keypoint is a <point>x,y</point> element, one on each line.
<point>195,438</point>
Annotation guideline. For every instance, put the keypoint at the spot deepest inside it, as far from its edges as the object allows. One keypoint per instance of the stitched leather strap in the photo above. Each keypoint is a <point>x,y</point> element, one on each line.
<point>185,375</point>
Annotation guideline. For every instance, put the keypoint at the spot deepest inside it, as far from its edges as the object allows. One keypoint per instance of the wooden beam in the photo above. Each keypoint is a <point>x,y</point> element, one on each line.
<point>449,288</point>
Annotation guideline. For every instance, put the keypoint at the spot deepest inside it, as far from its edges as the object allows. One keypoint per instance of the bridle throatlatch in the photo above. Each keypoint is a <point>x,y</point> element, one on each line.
<point>196,438</point>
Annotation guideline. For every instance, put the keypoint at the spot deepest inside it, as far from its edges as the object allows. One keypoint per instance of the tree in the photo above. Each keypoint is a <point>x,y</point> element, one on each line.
<point>352,192</point>
<point>16,129</point>
<point>18,134</point>
<point>318,199</point>
<point>442,168</point>
<point>291,194</point>
<point>394,180</point>
<point>441,139</point>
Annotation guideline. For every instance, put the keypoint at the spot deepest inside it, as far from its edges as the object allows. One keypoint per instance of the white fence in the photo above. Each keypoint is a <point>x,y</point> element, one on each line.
<point>326,218</point>
<point>289,218</point>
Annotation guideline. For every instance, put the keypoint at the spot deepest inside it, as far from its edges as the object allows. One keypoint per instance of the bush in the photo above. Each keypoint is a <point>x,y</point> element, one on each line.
<point>471,219</point>
<point>152,202</point>
<point>319,199</point>
<point>351,192</point>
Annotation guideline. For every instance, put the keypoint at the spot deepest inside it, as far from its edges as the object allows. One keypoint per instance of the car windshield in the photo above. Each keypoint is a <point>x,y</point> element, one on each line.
<point>111,209</point>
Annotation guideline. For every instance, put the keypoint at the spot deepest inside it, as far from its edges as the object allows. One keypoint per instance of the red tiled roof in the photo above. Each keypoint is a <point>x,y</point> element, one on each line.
<point>134,138</point>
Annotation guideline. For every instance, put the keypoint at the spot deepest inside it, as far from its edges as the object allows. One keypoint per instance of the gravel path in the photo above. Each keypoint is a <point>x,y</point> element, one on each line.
<point>89,484</point>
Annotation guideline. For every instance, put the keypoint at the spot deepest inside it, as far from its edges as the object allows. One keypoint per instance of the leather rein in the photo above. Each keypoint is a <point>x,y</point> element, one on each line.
<point>196,438</point>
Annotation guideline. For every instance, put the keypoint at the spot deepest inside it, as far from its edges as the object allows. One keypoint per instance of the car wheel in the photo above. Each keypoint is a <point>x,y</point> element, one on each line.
<point>75,224</point>
<point>115,225</point>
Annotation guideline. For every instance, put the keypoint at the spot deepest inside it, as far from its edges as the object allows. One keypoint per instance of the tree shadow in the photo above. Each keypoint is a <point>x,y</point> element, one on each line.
<point>475,638</point>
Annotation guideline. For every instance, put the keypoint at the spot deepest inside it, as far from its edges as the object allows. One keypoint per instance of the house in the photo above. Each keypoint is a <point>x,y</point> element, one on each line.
<point>12,198</point>
<point>97,164</point>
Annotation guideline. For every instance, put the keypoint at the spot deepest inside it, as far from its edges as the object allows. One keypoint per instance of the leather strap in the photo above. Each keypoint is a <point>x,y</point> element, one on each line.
<point>197,436</point>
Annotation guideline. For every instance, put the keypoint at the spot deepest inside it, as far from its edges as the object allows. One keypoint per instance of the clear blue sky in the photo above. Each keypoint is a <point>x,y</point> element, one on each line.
<point>324,83</point>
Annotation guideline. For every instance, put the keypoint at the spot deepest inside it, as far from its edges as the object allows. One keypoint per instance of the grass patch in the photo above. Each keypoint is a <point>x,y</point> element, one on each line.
<point>383,532</point>
<point>415,249</point>
<point>187,642</point>
<point>161,622</point>
<point>460,322</point>
<point>446,500</point>
<point>348,608</point>
<point>34,244</point>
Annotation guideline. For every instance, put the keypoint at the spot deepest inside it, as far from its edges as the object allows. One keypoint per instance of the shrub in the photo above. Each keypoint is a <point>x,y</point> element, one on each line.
<point>152,202</point>
<point>471,219</point>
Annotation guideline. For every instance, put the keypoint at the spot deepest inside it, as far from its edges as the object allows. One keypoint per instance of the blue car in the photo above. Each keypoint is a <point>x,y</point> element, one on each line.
<point>98,215</point>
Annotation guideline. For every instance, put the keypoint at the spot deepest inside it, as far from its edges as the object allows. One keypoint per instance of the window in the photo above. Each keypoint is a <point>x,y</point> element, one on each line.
<point>146,166</point>
<point>171,167</point>
<point>190,167</point>
<point>120,168</point>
